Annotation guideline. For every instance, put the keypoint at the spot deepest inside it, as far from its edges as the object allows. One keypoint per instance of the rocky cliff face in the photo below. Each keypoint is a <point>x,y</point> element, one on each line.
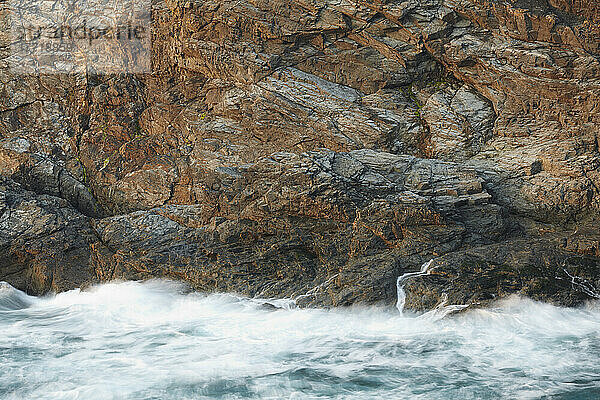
<point>317,149</point>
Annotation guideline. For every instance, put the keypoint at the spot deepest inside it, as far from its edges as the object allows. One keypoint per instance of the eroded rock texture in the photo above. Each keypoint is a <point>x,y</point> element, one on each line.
<point>317,149</point>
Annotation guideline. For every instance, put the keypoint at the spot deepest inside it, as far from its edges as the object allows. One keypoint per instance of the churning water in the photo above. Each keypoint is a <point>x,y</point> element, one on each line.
<point>153,341</point>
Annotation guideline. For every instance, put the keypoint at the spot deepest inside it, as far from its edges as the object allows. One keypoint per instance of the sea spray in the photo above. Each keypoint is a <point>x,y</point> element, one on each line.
<point>13,299</point>
<point>315,290</point>
<point>442,309</point>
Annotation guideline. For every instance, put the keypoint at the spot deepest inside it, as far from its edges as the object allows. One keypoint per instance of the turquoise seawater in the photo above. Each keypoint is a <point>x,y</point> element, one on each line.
<point>155,341</point>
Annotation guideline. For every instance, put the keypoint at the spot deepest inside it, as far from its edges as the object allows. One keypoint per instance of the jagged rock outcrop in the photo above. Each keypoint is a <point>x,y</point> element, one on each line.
<point>280,148</point>
<point>45,244</point>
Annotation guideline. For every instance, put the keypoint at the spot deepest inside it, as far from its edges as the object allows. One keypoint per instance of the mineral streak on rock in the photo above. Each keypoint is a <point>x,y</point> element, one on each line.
<point>317,150</point>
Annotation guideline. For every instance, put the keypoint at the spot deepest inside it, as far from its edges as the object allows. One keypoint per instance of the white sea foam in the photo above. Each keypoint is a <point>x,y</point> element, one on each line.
<point>440,311</point>
<point>155,341</point>
<point>401,281</point>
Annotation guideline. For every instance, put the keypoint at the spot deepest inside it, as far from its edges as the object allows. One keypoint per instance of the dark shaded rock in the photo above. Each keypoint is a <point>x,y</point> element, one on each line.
<point>540,269</point>
<point>45,244</point>
<point>38,173</point>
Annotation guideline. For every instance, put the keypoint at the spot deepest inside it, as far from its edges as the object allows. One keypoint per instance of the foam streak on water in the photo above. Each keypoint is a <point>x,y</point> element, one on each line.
<point>152,341</point>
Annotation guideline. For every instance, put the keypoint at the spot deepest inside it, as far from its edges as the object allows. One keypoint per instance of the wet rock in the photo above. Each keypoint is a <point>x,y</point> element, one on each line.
<point>540,269</point>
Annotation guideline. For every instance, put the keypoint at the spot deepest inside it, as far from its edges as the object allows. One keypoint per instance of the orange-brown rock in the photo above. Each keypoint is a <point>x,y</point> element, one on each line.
<point>279,146</point>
